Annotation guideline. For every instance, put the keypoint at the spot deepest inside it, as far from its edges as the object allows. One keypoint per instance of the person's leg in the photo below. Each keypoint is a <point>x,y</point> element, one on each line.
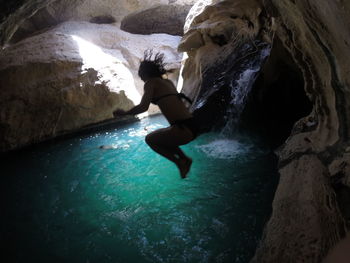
<point>174,154</point>
<point>166,142</point>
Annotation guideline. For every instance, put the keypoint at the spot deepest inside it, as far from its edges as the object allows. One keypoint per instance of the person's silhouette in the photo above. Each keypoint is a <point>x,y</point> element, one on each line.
<point>163,93</point>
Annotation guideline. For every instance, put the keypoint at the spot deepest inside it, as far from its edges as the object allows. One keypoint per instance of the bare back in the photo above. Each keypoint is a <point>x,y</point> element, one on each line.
<point>172,107</point>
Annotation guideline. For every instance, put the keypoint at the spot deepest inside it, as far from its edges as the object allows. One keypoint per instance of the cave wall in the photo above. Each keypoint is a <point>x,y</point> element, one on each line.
<point>277,100</point>
<point>307,221</point>
<point>309,210</point>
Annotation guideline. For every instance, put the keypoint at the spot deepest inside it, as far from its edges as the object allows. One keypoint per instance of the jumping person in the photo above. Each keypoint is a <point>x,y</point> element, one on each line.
<point>162,92</point>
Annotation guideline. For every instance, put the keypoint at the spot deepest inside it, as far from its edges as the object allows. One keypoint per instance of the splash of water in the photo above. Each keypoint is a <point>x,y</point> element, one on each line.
<point>225,148</point>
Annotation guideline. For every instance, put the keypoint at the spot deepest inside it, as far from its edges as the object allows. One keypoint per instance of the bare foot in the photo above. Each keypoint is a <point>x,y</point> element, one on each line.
<point>184,166</point>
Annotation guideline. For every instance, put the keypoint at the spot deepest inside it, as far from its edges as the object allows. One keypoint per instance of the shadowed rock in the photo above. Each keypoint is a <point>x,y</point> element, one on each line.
<point>309,208</point>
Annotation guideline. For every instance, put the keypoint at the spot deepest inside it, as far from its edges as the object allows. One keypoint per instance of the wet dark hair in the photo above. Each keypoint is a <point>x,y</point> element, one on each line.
<point>152,67</point>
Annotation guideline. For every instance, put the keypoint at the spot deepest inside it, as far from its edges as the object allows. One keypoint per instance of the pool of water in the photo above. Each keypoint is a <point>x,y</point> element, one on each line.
<point>71,201</point>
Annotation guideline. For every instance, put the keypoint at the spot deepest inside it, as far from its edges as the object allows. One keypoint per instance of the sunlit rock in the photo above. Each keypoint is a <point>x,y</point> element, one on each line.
<point>38,15</point>
<point>84,10</point>
<point>168,19</point>
<point>73,75</point>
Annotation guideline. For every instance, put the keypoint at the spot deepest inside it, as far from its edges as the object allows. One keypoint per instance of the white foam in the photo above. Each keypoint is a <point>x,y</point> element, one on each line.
<point>224,149</point>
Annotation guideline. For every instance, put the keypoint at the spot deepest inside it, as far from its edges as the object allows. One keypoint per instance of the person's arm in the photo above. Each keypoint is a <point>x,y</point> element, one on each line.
<point>142,106</point>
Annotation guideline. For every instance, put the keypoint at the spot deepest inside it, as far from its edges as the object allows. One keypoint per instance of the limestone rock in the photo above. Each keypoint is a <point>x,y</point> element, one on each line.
<point>37,15</point>
<point>71,76</point>
<point>168,19</point>
<point>307,220</point>
<point>84,10</point>
<point>318,41</point>
<point>212,32</point>
<point>340,169</point>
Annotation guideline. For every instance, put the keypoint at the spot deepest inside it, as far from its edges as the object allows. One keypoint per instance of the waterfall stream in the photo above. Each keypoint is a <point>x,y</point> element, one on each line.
<point>226,85</point>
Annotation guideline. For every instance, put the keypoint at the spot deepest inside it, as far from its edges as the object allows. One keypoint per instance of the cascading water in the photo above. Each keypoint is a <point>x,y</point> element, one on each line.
<point>227,84</point>
<point>224,92</point>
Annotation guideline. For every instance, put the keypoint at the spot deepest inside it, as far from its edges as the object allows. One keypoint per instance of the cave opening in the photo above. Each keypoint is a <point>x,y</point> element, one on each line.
<point>277,100</point>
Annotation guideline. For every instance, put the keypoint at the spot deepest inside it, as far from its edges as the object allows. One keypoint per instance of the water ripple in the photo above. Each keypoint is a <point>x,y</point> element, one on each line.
<point>124,203</point>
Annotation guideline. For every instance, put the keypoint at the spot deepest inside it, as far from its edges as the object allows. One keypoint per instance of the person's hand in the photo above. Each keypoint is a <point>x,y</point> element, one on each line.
<point>119,112</point>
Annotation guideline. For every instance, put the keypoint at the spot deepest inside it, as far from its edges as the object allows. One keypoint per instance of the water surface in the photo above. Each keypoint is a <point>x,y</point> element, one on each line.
<point>70,201</point>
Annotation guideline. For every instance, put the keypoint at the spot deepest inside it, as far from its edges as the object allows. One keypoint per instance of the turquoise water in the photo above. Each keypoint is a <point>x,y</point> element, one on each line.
<point>71,201</point>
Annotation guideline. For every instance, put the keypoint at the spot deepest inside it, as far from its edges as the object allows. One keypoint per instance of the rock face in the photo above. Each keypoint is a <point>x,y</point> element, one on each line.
<point>16,14</point>
<point>37,15</point>
<point>310,215</point>
<point>214,33</point>
<point>71,76</point>
<point>168,19</point>
<point>319,43</point>
<point>84,10</point>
